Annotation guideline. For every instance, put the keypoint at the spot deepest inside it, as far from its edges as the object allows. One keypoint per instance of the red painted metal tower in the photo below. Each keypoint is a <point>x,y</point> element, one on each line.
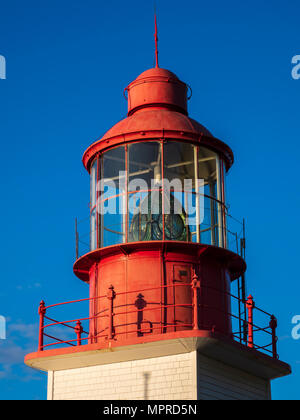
<point>160,279</point>
<point>158,141</point>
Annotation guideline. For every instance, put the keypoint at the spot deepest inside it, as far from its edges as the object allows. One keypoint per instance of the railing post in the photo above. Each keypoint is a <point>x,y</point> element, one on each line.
<point>140,304</point>
<point>250,306</point>
<point>195,287</point>
<point>76,240</point>
<point>78,330</point>
<point>42,311</point>
<point>110,296</point>
<point>273,326</point>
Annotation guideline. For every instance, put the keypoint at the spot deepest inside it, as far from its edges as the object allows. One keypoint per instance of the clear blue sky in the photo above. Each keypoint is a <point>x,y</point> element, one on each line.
<point>67,65</point>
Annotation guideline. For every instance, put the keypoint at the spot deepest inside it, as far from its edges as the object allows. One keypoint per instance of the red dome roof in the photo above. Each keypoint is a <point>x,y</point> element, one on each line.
<point>150,119</point>
<point>157,108</point>
<point>157,72</point>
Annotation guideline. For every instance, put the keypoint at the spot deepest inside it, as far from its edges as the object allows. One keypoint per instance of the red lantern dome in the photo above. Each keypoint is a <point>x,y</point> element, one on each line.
<point>157,107</point>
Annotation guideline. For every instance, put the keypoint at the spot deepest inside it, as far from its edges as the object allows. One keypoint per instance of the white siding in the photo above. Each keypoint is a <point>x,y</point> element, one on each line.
<point>217,381</point>
<point>166,378</point>
<point>185,376</point>
<point>50,385</point>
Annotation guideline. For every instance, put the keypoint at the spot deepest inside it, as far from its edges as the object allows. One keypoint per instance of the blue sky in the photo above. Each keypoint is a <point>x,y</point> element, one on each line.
<point>67,65</point>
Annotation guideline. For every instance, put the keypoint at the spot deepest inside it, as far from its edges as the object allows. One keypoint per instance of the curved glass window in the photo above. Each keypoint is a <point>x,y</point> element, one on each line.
<point>93,215</point>
<point>144,178</point>
<point>151,191</point>
<point>180,191</point>
<point>111,200</point>
<point>208,171</point>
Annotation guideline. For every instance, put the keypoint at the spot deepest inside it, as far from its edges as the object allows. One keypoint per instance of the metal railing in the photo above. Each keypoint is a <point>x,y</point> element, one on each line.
<point>233,231</point>
<point>111,325</point>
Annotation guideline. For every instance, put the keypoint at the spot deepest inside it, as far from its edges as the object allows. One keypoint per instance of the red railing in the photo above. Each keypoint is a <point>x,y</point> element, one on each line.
<point>262,338</point>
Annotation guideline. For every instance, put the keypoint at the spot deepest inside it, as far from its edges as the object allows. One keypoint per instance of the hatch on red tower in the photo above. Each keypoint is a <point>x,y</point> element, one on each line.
<point>162,254</point>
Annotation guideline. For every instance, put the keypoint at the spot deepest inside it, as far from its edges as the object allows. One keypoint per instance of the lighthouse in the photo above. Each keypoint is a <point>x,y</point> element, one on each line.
<point>160,320</point>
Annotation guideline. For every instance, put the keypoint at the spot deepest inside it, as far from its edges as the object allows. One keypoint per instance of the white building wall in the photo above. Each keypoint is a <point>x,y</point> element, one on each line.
<point>217,381</point>
<point>168,377</point>
<point>187,376</point>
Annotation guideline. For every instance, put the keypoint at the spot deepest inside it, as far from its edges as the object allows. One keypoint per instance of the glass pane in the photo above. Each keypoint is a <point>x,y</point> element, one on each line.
<point>223,200</point>
<point>208,170</point>
<point>111,197</point>
<point>144,201</point>
<point>93,182</point>
<point>180,198</point>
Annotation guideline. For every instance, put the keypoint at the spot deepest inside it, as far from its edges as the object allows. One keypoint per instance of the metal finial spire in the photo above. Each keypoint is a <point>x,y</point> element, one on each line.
<point>156,42</point>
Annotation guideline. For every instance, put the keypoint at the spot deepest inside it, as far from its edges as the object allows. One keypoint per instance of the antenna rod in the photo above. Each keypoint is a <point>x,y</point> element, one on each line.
<point>156,43</point>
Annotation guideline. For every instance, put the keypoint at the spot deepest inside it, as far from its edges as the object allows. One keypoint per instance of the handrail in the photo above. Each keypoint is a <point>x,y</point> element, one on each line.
<point>112,313</point>
<point>232,228</point>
